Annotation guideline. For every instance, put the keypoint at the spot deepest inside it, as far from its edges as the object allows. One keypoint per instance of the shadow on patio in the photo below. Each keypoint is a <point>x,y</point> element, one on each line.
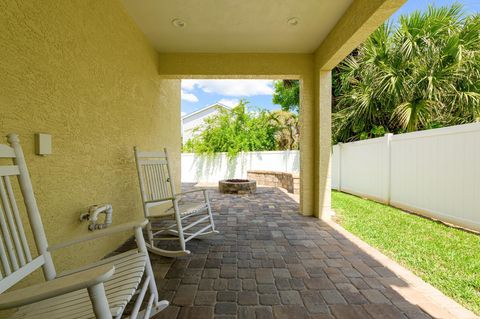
<point>270,262</point>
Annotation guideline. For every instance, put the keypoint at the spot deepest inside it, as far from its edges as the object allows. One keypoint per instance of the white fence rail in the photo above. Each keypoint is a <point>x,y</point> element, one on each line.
<point>212,168</point>
<point>435,173</point>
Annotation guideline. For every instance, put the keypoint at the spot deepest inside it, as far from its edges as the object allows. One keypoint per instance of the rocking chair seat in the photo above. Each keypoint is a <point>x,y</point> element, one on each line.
<point>129,269</point>
<point>184,208</point>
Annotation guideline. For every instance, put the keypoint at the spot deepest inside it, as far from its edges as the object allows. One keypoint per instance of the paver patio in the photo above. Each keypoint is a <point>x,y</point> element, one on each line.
<point>270,262</point>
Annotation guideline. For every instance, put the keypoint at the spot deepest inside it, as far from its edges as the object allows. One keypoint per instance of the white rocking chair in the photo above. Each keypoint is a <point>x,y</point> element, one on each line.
<point>100,290</point>
<point>184,220</point>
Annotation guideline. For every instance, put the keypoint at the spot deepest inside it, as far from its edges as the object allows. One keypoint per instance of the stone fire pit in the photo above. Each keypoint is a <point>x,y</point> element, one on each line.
<point>237,186</point>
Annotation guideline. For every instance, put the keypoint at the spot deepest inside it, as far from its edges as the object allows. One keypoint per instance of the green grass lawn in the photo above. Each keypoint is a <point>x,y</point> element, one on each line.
<point>445,257</point>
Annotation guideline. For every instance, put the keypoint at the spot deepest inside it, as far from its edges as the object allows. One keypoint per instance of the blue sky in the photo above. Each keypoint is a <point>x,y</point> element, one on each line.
<point>470,6</point>
<point>197,94</point>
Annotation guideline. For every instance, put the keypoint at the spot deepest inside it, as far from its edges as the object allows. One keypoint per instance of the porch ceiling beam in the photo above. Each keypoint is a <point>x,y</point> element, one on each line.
<point>358,22</point>
<point>234,65</point>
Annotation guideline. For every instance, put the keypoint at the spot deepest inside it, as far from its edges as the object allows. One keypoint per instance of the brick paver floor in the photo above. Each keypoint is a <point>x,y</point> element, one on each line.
<point>270,262</point>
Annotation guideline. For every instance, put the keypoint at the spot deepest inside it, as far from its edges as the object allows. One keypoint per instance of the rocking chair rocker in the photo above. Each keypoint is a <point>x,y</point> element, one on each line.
<point>99,290</point>
<point>157,189</point>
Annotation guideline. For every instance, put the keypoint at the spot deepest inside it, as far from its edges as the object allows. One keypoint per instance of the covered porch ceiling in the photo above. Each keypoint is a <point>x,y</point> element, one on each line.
<point>230,26</point>
<point>329,30</point>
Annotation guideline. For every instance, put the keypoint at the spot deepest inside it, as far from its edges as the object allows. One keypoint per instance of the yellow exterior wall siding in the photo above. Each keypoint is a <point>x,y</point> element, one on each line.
<point>83,72</point>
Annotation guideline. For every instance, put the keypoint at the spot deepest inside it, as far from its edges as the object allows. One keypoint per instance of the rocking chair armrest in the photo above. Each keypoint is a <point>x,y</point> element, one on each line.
<point>56,287</point>
<point>100,233</point>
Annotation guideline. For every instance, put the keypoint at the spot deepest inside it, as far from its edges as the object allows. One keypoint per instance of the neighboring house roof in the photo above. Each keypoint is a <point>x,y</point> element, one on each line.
<point>206,108</point>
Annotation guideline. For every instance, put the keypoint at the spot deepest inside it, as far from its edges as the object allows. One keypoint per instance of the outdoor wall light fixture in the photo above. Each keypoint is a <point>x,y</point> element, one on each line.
<point>293,21</point>
<point>178,23</point>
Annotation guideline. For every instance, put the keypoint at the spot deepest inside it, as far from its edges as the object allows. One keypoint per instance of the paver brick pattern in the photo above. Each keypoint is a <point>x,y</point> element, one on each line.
<point>270,262</point>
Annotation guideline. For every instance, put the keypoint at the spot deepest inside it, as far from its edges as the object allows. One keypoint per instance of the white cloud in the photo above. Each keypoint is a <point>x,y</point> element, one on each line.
<point>183,113</point>
<point>189,97</point>
<point>229,102</point>
<point>188,85</point>
<point>231,87</point>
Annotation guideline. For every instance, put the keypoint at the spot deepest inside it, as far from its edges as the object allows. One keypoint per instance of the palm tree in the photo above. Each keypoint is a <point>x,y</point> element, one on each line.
<point>422,73</point>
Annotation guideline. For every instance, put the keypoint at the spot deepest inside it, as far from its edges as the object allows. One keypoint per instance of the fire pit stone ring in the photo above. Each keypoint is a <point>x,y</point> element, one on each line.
<point>237,186</point>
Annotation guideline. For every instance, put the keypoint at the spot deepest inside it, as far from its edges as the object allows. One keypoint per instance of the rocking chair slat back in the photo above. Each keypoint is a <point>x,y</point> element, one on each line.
<point>154,176</point>
<point>9,170</point>
<point>6,151</point>
<point>151,154</point>
<point>15,255</point>
<point>10,210</point>
<point>9,231</point>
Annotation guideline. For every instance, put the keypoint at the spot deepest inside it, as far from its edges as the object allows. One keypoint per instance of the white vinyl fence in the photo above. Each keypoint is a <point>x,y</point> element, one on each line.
<point>435,173</point>
<point>212,168</point>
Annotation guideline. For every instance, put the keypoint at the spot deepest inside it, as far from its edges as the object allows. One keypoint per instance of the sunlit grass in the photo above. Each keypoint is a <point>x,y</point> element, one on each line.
<point>445,257</point>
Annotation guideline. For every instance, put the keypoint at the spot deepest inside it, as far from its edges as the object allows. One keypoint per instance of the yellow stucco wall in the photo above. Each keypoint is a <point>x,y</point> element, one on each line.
<point>83,72</point>
<point>322,136</point>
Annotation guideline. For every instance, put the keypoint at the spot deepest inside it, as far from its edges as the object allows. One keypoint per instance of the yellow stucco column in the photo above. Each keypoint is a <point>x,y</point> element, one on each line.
<point>323,137</point>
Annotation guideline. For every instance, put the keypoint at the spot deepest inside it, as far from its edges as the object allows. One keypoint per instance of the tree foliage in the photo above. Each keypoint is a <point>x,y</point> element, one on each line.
<point>422,73</point>
<point>236,130</point>
<point>287,95</point>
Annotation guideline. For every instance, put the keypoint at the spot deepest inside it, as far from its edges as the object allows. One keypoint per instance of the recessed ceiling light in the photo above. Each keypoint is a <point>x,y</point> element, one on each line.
<point>179,23</point>
<point>293,21</point>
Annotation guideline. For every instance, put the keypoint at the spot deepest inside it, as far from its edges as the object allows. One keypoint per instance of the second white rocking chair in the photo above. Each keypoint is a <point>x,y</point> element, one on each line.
<point>184,221</point>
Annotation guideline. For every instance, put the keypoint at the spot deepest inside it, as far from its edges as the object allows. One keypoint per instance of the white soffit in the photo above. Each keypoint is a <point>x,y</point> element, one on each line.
<point>230,26</point>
